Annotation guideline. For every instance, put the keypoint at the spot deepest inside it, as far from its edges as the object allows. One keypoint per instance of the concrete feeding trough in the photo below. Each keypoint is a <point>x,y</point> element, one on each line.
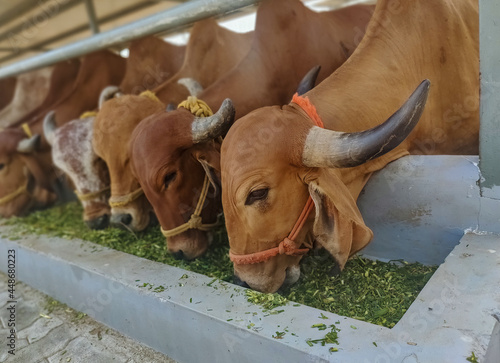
<point>192,318</point>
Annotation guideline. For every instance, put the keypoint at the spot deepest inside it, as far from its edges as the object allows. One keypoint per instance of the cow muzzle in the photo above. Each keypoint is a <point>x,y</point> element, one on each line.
<point>190,244</point>
<point>131,219</point>
<point>268,284</point>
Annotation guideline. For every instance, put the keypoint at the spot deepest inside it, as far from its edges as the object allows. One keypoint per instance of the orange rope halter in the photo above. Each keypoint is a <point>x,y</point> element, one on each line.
<point>288,246</point>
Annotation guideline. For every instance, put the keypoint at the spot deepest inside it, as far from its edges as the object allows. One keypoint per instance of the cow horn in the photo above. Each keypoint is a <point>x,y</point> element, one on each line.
<point>327,148</point>
<point>49,126</point>
<point>211,127</point>
<point>308,81</point>
<point>108,93</point>
<point>194,87</point>
<point>26,146</point>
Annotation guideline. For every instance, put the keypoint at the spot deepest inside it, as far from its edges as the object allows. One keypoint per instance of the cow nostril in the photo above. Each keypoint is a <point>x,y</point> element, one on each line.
<point>126,219</point>
<point>99,222</point>
<point>239,282</point>
<point>179,255</point>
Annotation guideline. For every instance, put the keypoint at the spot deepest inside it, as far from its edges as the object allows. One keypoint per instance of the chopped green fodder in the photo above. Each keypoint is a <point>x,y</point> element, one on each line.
<point>373,291</point>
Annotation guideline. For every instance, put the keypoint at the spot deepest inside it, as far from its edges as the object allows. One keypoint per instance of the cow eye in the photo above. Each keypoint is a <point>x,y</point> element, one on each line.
<point>259,194</point>
<point>169,178</point>
<point>1,166</point>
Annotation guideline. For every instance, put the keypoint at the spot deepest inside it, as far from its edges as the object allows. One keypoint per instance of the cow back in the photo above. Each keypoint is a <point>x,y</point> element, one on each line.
<point>212,50</point>
<point>61,83</point>
<point>151,61</point>
<point>98,70</point>
<point>397,53</point>
<point>289,40</point>
<point>29,93</point>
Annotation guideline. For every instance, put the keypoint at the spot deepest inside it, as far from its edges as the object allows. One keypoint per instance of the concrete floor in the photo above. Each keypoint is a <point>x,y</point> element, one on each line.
<point>49,332</point>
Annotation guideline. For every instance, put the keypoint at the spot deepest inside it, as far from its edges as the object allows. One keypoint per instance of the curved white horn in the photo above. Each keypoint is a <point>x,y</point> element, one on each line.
<point>209,128</point>
<point>108,93</point>
<point>327,148</point>
<point>49,126</point>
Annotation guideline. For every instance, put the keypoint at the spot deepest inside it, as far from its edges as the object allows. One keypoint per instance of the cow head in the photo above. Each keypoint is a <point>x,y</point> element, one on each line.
<point>72,152</point>
<point>24,181</point>
<point>176,158</point>
<point>272,160</point>
<point>113,128</point>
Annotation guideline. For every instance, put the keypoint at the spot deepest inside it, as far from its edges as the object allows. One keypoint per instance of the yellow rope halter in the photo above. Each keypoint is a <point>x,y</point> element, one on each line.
<point>195,220</point>
<point>88,114</point>
<point>122,201</point>
<point>84,197</point>
<point>151,95</point>
<point>11,196</point>
<point>197,107</point>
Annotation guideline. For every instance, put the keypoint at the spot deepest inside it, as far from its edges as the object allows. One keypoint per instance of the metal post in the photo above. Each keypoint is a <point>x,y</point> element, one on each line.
<point>489,145</point>
<point>186,13</point>
<point>94,25</point>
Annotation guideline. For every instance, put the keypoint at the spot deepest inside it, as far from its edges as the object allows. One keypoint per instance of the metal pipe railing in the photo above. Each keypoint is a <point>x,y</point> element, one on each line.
<point>170,19</point>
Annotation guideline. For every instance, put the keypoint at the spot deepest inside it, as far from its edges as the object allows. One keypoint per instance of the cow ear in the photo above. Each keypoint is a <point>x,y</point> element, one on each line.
<point>338,225</point>
<point>209,158</point>
<point>41,176</point>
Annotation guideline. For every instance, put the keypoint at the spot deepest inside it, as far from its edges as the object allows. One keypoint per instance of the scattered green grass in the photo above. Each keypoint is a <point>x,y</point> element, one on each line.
<point>372,291</point>
<point>66,221</point>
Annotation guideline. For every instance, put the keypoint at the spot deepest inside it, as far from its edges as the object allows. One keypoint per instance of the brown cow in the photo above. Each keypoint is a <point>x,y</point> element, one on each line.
<point>31,89</point>
<point>122,114</point>
<point>26,170</point>
<point>150,61</point>
<point>274,158</point>
<point>289,39</point>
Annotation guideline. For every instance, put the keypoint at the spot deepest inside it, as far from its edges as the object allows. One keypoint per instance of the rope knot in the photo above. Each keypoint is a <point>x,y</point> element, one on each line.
<point>194,222</point>
<point>197,107</point>
<point>286,247</point>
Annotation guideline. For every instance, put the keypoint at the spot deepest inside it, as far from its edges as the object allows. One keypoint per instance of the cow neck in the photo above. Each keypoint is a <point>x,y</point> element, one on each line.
<point>123,200</point>
<point>288,246</point>
<point>199,109</point>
